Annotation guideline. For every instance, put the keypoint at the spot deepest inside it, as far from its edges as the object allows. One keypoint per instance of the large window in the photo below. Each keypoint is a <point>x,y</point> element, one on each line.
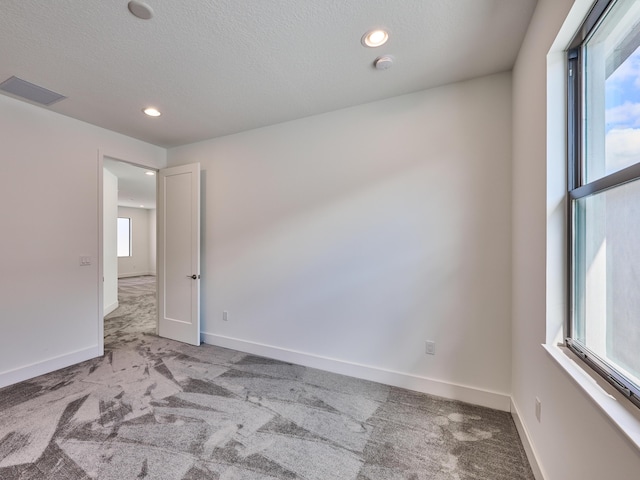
<point>604,193</point>
<point>124,237</point>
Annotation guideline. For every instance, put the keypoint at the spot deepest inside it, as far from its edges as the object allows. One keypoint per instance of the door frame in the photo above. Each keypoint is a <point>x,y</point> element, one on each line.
<point>100,260</point>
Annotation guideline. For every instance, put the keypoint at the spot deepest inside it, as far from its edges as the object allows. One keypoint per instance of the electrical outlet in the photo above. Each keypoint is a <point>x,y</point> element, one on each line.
<point>225,316</point>
<point>430,347</point>
<point>538,408</point>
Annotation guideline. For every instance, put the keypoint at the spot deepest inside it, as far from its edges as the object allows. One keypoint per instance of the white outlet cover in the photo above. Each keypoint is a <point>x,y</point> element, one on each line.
<point>430,348</point>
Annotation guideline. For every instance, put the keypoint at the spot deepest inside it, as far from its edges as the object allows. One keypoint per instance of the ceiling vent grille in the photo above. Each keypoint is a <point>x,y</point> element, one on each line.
<point>34,93</point>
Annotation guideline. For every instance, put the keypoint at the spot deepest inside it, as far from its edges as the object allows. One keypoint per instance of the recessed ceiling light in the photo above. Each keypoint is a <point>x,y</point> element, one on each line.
<point>140,9</point>
<point>151,174</point>
<point>375,38</point>
<point>152,112</point>
<point>141,206</point>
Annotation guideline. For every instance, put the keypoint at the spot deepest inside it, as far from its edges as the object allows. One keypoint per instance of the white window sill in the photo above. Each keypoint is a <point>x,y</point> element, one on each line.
<point>622,413</point>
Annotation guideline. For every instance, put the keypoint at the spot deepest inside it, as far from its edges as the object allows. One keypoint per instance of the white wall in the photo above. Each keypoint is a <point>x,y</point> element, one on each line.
<point>109,233</point>
<point>139,261</point>
<point>359,234</point>
<point>49,183</point>
<point>573,440</point>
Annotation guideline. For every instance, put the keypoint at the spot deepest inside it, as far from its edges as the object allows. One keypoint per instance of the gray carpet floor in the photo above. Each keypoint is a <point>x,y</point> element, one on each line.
<point>156,409</point>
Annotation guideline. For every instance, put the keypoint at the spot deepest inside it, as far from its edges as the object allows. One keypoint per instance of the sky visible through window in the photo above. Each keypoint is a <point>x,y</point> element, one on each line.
<point>622,101</point>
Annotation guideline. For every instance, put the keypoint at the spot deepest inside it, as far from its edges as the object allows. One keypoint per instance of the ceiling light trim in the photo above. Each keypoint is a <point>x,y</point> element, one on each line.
<point>375,37</point>
<point>151,112</point>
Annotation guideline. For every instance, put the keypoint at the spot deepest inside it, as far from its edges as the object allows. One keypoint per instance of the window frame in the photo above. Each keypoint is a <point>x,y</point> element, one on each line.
<point>578,189</point>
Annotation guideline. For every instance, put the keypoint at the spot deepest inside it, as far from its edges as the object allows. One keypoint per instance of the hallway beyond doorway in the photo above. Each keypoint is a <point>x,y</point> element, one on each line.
<point>136,313</point>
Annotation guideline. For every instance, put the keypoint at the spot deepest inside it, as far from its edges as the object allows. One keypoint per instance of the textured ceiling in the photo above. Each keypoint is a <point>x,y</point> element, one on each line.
<point>135,188</point>
<point>215,67</point>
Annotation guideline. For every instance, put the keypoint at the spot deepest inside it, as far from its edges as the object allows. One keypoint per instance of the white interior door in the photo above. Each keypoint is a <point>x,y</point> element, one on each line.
<point>179,253</point>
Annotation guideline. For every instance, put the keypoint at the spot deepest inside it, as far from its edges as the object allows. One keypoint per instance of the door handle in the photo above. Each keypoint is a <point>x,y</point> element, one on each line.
<point>194,276</point>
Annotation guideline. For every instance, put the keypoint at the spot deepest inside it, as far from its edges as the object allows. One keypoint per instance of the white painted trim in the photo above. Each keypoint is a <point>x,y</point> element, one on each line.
<point>46,366</point>
<point>136,274</point>
<point>525,439</point>
<point>110,308</point>
<point>499,401</point>
<point>100,214</point>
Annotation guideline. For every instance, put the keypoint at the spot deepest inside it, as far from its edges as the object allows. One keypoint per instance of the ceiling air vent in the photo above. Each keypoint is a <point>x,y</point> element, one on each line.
<point>21,88</point>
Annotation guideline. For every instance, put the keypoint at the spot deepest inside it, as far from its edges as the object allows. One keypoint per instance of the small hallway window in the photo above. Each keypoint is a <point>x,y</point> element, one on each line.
<point>124,237</point>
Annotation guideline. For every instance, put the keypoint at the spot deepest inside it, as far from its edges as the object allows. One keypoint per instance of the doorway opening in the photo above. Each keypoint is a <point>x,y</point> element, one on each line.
<point>130,289</point>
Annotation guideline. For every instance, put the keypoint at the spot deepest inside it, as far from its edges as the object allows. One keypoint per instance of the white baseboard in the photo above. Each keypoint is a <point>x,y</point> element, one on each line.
<point>110,308</point>
<point>136,274</point>
<point>452,391</point>
<point>526,443</point>
<point>46,366</point>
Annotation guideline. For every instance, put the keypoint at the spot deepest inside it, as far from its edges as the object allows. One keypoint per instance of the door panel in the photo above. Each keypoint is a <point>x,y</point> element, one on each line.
<point>179,253</point>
